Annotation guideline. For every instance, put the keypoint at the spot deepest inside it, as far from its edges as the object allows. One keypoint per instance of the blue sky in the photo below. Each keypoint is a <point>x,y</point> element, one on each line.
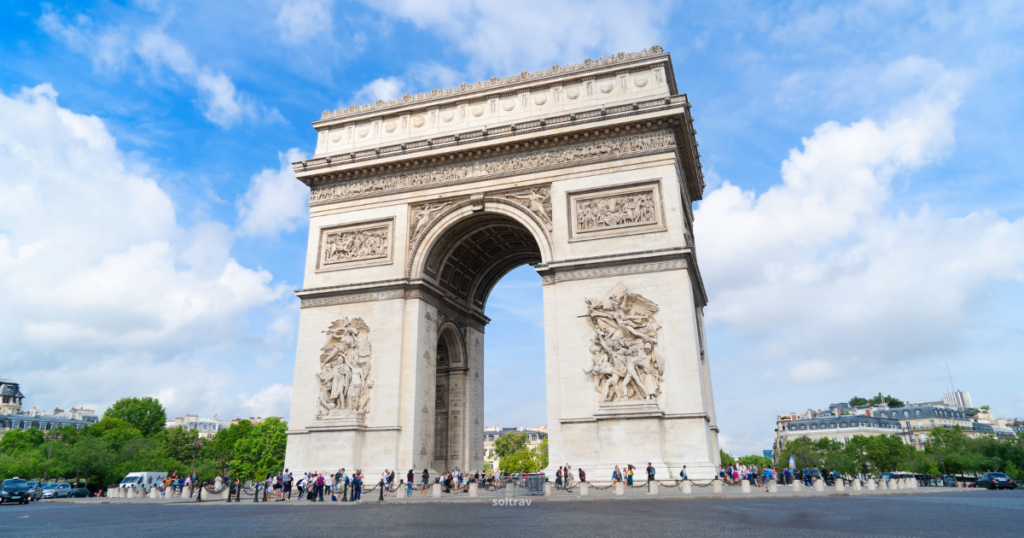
<point>862,224</point>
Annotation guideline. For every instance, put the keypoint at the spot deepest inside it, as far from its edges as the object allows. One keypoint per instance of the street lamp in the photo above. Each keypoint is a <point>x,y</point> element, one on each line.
<point>52,437</point>
<point>196,445</point>
<point>943,462</point>
<point>995,463</point>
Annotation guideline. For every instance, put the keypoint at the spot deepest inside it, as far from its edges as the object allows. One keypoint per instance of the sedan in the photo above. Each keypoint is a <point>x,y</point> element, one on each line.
<point>995,481</point>
<point>79,492</point>
<point>54,491</point>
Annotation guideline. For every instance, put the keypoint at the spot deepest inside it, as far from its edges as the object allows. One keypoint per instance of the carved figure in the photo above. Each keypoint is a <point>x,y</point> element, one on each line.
<point>355,245</point>
<point>422,216</point>
<point>344,376</point>
<point>538,201</point>
<point>612,211</point>
<point>625,364</point>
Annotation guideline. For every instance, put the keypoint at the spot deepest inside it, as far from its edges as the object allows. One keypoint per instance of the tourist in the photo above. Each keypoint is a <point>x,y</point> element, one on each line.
<point>287,484</point>
<point>558,478</point>
<point>650,472</point>
<point>320,487</point>
<point>616,475</point>
<point>682,473</point>
<point>629,474</point>
<point>302,484</point>
<point>583,476</point>
<point>409,478</point>
<point>768,474</point>
<point>568,478</point>
<point>343,484</point>
<point>357,486</point>
<point>425,483</point>
<point>330,487</point>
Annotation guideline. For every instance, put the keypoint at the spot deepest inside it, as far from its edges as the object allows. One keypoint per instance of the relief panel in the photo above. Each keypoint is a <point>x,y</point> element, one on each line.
<point>357,244</point>
<point>628,209</point>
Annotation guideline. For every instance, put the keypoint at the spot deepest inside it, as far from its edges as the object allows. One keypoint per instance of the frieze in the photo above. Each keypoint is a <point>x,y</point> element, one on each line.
<point>613,211</point>
<point>352,298</point>
<point>355,245</point>
<point>554,276</point>
<point>570,155</point>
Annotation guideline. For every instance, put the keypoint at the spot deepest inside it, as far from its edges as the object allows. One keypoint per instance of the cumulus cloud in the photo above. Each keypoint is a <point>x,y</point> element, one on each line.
<point>385,89</point>
<point>111,48</point>
<point>820,272</point>
<point>105,293</point>
<point>275,201</point>
<point>503,37</point>
<point>299,21</point>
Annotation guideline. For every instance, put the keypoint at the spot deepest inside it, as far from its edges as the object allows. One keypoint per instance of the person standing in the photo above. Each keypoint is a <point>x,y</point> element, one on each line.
<point>558,478</point>
<point>357,486</point>
<point>320,487</point>
<point>288,484</point>
<point>616,475</point>
<point>583,476</point>
<point>409,478</point>
<point>425,483</point>
<point>629,475</point>
<point>650,472</point>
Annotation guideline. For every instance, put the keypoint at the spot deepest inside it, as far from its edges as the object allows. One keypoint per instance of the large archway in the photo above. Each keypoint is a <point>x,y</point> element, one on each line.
<point>419,206</point>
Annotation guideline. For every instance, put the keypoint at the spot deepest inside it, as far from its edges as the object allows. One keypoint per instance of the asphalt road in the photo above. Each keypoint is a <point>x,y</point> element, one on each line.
<point>989,513</point>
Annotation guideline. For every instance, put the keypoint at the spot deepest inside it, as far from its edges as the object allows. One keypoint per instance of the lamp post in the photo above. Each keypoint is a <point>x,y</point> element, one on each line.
<point>943,462</point>
<point>52,437</point>
<point>995,464</point>
<point>910,439</point>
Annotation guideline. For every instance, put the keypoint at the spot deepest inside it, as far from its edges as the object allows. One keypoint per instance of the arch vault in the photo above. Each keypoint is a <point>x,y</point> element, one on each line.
<point>419,206</point>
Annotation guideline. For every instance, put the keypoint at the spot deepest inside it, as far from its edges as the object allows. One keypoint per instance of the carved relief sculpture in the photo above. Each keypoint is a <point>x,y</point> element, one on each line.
<point>344,377</point>
<point>355,245</point>
<point>614,211</point>
<point>421,216</point>
<point>625,364</point>
<point>538,201</point>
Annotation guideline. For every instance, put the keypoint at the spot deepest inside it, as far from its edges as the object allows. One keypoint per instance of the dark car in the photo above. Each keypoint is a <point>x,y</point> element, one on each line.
<point>79,492</point>
<point>995,481</point>
<point>14,490</point>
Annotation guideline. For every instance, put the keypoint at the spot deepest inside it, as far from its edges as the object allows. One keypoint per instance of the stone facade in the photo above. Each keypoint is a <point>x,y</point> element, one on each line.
<point>419,206</point>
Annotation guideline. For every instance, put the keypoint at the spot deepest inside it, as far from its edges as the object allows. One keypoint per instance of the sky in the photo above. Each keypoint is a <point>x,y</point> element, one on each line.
<point>862,227</point>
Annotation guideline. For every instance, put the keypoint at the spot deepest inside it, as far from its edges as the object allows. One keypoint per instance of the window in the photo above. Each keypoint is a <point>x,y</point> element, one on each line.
<point>908,424</point>
<point>920,425</point>
<point>846,440</point>
<point>933,423</point>
<point>833,426</point>
<point>917,412</point>
<point>803,427</point>
<point>842,424</point>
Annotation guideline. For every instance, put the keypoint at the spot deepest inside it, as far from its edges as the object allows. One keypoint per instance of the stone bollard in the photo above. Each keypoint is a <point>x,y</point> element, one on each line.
<point>744,486</point>
<point>901,483</point>
<point>474,489</point>
<point>131,493</point>
<point>871,484</point>
<point>400,491</point>
<point>435,491</point>
<point>883,483</point>
<point>798,486</point>
<point>620,488</point>
<point>547,489</point>
<point>716,485</point>
<point>913,483</point>
<point>773,487</point>
<point>839,485</point>
<point>652,488</point>
<point>154,493</point>
<point>856,484</point>
<point>819,485</point>
<point>111,493</point>
<point>584,489</point>
<point>687,488</point>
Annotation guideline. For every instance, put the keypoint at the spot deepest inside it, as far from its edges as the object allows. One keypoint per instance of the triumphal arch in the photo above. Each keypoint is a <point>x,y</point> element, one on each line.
<point>418,206</point>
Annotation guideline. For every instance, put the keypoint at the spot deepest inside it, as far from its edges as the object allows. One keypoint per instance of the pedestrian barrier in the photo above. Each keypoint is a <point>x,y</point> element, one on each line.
<point>840,486</point>
<point>819,485</point>
<point>745,486</point>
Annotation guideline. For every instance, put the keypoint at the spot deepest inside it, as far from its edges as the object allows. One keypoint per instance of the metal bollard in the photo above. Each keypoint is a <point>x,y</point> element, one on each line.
<point>256,495</point>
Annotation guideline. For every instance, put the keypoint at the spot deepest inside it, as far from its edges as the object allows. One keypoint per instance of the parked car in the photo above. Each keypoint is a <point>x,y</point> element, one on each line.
<point>56,490</point>
<point>14,490</point>
<point>34,491</point>
<point>995,481</point>
<point>79,492</point>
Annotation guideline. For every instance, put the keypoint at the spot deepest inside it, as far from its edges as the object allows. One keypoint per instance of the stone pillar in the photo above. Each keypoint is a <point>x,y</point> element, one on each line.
<point>131,493</point>
<point>716,485</point>
<point>652,487</point>
<point>401,490</point>
<point>745,486</point>
<point>819,485</point>
<point>473,489</point>
<point>871,484</point>
<point>547,489</point>
<point>856,484</point>
<point>798,486</point>
<point>620,488</point>
<point>839,485</point>
<point>154,493</point>
<point>883,483</point>
<point>111,493</point>
<point>773,487</point>
<point>687,488</point>
<point>584,487</point>
<point>435,491</point>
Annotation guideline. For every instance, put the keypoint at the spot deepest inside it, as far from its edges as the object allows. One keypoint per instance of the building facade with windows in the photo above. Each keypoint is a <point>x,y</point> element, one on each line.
<point>838,428</point>
<point>207,427</point>
<point>536,436</point>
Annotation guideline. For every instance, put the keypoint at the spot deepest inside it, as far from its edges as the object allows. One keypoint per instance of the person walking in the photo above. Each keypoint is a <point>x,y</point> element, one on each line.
<point>768,474</point>
<point>583,476</point>
<point>558,478</point>
<point>682,473</point>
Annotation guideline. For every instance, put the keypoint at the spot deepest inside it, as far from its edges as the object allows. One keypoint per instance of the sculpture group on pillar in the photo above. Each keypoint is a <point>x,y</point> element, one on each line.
<point>625,364</point>
<point>344,376</point>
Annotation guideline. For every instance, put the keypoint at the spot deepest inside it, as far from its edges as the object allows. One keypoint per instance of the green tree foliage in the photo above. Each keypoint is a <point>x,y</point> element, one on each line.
<point>541,454</point>
<point>727,459</point>
<point>760,461</point>
<point>510,443</point>
<point>262,451</point>
<point>875,400</point>
<point>103,453</point>
<point>517,457</point>
<point>857,400</point>
<point>146,414</point>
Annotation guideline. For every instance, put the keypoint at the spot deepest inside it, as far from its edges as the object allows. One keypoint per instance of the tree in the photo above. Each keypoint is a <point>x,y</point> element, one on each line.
<point>760,461</point>
<point>541,454</point>
<point>857,400</point>
<point>985,408</point>
<point>521,461</point>
<point>727,460</point>
<point>509,444</point>
<point>146,414</point>
<point>262,451</point>
<point>219,452</point>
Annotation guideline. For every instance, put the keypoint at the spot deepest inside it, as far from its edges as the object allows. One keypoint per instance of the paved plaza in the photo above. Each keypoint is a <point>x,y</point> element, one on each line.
<point>989,513</point>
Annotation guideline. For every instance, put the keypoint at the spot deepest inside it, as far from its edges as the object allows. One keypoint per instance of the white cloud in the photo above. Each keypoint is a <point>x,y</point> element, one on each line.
<point>272,401</point>
<point>299,21</point>
<point>381,89</point>
<point>110,48</point>
<point>275,201</point>
<point>104,294</point>
<point>819,274</point>
<point>507,37</point>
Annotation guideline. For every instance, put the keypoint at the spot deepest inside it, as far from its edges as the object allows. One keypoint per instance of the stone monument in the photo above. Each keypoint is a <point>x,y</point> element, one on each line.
<point>418,206</point>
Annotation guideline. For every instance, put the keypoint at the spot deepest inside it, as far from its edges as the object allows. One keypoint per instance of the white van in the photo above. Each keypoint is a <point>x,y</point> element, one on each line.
<point>142,479</point>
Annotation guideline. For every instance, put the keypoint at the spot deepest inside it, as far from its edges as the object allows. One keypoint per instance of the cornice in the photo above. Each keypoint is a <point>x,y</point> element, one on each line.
<point>495,85</point>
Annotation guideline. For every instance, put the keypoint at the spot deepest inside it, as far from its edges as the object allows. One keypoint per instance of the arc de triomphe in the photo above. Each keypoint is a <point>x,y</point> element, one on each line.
<point>587,172</point>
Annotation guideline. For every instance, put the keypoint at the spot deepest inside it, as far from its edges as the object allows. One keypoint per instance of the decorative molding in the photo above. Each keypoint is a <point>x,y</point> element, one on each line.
<point>613,211</point>
<point>618,269</point>
<point>357,244</point>
<point>495,83</point>
<point>348,298</point>
<point>526,162</point>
